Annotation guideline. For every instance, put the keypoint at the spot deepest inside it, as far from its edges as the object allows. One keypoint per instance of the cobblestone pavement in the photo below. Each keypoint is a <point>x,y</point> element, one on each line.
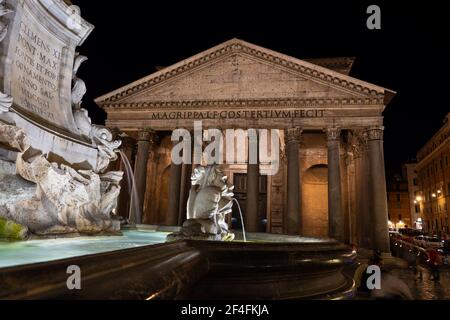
<point>426,289</point>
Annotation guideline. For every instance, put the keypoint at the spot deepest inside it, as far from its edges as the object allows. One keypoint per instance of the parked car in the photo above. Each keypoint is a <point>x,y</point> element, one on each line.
<point>395,235</point>
<point>410,232</point>
<point>432,242</point>
<point>428,242</point>
<point>419,241</point>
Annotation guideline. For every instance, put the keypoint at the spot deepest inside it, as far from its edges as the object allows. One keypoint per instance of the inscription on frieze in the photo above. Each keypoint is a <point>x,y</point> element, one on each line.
<point>238,114</point>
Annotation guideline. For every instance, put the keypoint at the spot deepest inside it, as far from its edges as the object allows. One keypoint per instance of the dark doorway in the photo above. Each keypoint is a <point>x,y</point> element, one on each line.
<point>240,193</point>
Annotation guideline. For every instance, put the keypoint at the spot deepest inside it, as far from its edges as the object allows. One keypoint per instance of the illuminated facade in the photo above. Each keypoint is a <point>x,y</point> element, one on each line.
<point>331,178</point>
<point>398,203</point>
<point>433,170</point>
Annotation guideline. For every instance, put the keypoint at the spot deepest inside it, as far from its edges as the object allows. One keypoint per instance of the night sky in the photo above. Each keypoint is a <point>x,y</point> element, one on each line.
<point>408,55</point>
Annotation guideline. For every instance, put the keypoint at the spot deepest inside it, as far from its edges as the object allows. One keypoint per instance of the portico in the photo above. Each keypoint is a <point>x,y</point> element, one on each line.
<point>330,180</point>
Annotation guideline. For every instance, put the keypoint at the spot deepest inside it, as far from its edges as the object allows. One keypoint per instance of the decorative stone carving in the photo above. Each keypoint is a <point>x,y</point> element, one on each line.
<point>146,135</point>
<point>375,133</point>
<point>80,115</point>
<point>13,137</point>
<point>66,200</point>
<point>333,133</point>
<point>6,102</point>
<point>210,200</point>
<point>238,47</point>
<point>293,135</point>
<point>107,147</point>
<point>55,198</point>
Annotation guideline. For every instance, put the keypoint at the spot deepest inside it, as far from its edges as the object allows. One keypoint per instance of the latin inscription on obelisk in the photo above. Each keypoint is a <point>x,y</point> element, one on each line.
<point>36,72</point>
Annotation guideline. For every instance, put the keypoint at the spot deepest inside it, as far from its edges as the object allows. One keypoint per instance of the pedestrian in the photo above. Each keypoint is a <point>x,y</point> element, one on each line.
<point>392,288</point>
<point>434,262</point>
<point>418,271</point>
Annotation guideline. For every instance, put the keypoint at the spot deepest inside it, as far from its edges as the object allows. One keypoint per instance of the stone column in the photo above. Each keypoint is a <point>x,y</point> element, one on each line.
<point>186,173</point>
<point>357,157</point>
<point>336,222</point>
<point>252,203</point>
<point>294,219</point>
<point>378,188</point>
<point>145,141</point>
<point>174,194</point>
<point>366,189</point>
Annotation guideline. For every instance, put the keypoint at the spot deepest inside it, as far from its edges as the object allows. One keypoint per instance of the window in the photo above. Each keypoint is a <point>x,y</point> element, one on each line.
<point>415,182</point>
<point>398,197</point>
<point>417,208</point>
<point>399,217</point>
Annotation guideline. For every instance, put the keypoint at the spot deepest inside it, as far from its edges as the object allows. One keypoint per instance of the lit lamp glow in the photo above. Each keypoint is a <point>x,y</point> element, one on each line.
<point>418,198</point>
<point>433,195</point>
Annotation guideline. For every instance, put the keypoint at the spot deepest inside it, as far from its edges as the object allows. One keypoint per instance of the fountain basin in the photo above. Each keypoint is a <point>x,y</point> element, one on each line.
<point>266,267</point>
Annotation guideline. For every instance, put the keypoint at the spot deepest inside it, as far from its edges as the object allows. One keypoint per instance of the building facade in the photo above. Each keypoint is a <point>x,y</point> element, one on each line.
<point>414,194</point>
<point>331,178</point>
<point>433,171</point>
<point>399,212</point>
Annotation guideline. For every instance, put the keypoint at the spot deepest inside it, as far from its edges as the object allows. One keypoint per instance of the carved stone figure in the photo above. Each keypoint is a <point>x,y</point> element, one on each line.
<point>65,200</point>
<point>41,197</point>
<point>81,117</point>
<point>210,200</point>
<point>107,147</point>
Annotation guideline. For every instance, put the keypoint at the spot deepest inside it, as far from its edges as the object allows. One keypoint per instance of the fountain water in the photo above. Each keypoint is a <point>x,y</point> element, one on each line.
<point>242,220</point>
<point>131,187</point>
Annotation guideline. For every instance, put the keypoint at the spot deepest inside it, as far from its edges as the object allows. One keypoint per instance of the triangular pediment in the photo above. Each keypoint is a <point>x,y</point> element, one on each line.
<point>237,70</point>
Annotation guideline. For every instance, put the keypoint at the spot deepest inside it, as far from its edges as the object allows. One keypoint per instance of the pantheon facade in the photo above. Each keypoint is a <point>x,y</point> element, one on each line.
<point>331,178</point>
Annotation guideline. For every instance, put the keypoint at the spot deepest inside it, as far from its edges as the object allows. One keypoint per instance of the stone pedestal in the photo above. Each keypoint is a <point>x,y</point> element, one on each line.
<point>335,214</point>
<point>293,181</point>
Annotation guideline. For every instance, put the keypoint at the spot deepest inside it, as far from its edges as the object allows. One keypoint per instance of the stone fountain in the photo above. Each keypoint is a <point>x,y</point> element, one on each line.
<point>54,181</point>
<point>53,162</point>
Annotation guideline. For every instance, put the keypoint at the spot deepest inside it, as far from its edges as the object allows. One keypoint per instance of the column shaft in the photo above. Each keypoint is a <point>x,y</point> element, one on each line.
<point>358,196</point>
<point>186,173</point>
<point>145,140</point>
<point>174,194</point>
<point>252,222</point>
<point>378,183</point>
<point>124,200</point>
<point>294,219</point>
<point>336,221</point>
<point>367,204</point>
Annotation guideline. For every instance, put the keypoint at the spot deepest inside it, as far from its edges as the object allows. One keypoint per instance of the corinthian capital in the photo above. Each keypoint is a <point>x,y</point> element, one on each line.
<point>333,133</point>
<point>293,134</point>
<point>147,134</point>
<point>375,133</point>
